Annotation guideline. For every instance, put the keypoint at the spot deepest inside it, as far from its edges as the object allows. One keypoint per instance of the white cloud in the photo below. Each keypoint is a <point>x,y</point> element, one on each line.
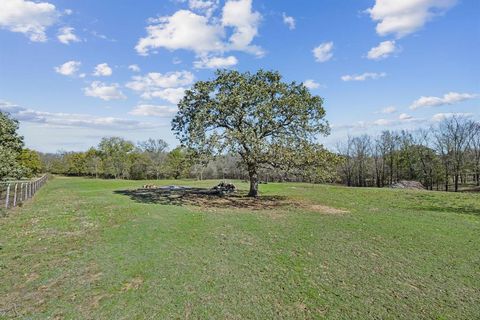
<point>388,110</point>
<point>363,76</point>
<point>204,6</point>
<point>323,52</point>
<point>66,35</point>
<point>289,21</point>
<point>53,119</point>
<point>28,17</point>
<point>239,15</point>
<point>382,122</point>
<point>154,80</point>
<point>442,116</point>
<point>215,62</point>
<point>311,84</point>
<point>183,30</point>
<point>403,17</point>
<point>153,110</point>
<point>364,125</point>
<point>382,51</point>
<point>69,68</point>
<point>404,116</point>
<point>204,34</point>
<point>102,69</point>
<point>134,68</point>
<point>447,99</point>
<point>169,86</point>
<point>172,95</point>
<point>104,91</point>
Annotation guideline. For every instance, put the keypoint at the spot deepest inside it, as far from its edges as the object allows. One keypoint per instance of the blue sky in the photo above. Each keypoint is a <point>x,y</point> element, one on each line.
<point>75,71</point>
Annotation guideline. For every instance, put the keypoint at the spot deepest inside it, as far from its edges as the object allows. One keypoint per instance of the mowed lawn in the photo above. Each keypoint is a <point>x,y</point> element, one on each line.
<point>81,250</point>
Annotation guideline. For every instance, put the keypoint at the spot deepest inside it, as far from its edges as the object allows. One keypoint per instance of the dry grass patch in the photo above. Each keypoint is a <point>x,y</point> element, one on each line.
<point>133,284</point>
<point>326,209</point>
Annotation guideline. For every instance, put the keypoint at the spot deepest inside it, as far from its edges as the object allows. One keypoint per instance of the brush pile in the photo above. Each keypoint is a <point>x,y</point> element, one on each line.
<point>405,184</point>
<point>224,188</point>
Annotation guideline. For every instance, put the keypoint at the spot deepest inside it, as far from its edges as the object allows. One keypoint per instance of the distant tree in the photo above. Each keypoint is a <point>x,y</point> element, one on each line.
<point>428,160</point>
<point>76,163</point>
<point>452,139</point>
<point>249,114</point>
<point>407,157</point>
<point>93,162</point>
<point>475,147</point>
<point>361,153</point>
<point>177,163</point>
<point>115,152</point>
<point>141,163</point>
<point>347,163</point>
<point>156,150</point>
<point>30,160</point>
<point>11,145</point>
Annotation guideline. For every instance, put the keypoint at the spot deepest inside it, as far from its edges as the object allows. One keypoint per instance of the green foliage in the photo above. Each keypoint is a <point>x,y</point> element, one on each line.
<point>177,164</point>
<point>156,151</point>
<point>93,162</point>
<point>76,163</point>
<point>252,115</point>
<point>141,163</point>
<point>11,145</point>
<point>30,160</point>
<point>114,152</point>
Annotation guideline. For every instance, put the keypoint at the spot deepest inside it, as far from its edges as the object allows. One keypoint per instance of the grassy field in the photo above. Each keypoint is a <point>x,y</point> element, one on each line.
<point>82,249</point>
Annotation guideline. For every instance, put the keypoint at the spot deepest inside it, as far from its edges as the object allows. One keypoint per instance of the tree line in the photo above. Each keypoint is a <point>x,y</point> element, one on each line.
<point>442,157</point>
<point>117,158</point>
<point>16,161</point>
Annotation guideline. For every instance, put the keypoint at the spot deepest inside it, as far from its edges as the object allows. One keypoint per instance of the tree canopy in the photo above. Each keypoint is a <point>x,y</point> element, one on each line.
<point>11,145</point>
<point>254,115</point>
<point>30,161</point>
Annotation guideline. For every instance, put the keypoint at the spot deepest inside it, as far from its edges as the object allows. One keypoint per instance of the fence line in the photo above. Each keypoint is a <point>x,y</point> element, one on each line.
<point>13,193</point>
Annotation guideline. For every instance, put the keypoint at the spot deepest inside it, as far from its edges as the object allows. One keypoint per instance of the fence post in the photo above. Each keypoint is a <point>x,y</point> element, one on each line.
<point>7,197</point>
<point>15,195</point>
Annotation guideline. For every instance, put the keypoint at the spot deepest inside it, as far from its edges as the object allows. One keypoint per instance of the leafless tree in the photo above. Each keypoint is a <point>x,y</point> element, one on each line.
<point>345,150</point>
<point>452,142</point>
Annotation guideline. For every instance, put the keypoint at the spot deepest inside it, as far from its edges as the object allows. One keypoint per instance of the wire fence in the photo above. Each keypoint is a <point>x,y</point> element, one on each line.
<point>14,193</point>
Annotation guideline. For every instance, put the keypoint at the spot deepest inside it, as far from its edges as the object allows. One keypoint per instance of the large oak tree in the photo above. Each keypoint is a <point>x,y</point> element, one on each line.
<point>251,114</point>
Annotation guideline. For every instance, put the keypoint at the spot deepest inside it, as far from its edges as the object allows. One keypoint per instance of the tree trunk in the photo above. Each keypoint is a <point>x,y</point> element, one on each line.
<point>253,183</point>
<point>446,182</point>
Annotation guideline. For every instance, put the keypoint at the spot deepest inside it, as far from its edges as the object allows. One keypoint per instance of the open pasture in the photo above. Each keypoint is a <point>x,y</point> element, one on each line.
<point>86,248</point>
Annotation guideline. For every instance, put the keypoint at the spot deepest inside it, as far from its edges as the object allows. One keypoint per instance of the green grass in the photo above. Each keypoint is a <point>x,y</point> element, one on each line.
<point>79,250</point>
